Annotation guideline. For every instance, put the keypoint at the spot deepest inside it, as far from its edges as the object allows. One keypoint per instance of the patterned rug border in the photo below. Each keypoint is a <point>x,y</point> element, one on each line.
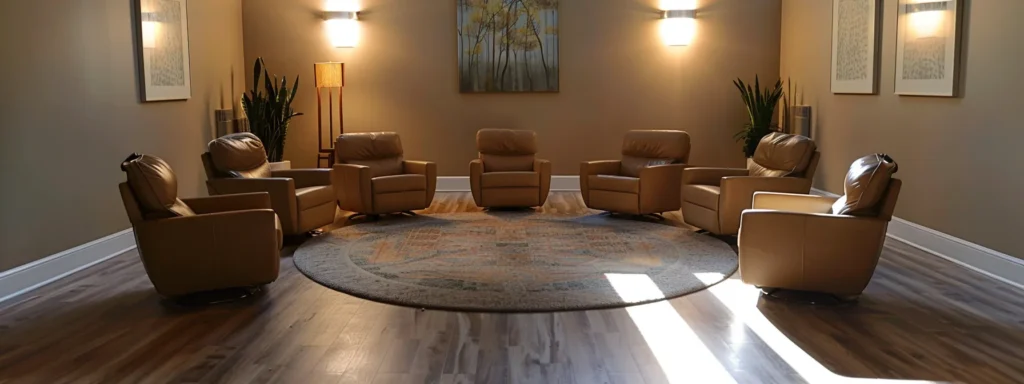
<point>505,215</point>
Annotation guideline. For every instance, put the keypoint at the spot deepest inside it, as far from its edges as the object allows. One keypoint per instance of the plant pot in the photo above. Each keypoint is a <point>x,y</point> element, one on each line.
<point>281,165</point>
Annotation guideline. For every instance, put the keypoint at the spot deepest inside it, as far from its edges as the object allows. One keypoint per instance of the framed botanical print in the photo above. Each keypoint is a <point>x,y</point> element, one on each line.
<point>162,39</point>
<point>928,47</point>
<point>856,28</point>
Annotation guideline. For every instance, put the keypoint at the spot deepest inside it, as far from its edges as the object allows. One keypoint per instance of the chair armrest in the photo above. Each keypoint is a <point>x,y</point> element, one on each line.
<point>601,167</point>
<point>738,194</point>
<point>305,178</point>
<point>745,186</point>
<point>419,167</point>
<point>792,202</point>
<point>425,168</point>
<point>808,251</point>
<point>275,186</point>
<point>476,174</point>
<point>660,187</point>
<point>227,203</point>
<point>353,187</point>
<point>543,169</point>
<point>281,190</point>
<point>710,176</point>
<point>211,247</point>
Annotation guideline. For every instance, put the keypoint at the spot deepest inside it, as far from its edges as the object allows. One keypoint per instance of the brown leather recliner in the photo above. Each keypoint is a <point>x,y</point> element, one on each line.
<point>508,173</point>
<point>372,178</point>
<point>202,244</point>
<point>816,243</point>
<point>713,198</point>
<point>646,180</point>
<point>302,198</point>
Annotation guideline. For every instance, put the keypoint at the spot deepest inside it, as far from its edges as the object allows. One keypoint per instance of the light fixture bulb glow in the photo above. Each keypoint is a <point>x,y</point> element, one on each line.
<point>678,31</point>
<point>343,33</point>
<point>150,30</point>
<point>927,24</point>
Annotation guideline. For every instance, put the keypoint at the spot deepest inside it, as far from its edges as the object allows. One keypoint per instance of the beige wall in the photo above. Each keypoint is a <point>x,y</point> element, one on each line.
<point>71,114</point>
<point>616,75</point>
<point>960,158</point>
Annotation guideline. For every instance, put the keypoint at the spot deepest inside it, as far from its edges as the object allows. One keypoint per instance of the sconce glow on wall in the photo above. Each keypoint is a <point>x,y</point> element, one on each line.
<point>679,26</point>
<point>342,28</point>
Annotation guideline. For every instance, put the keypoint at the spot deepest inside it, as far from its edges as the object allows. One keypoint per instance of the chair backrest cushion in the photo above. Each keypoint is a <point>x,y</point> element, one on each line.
<point>381,151</point>
<point>155,187</point>
<point>239,155</point>
<point>780,155</point>
<point>866,185</point>
<point>507,150</point>
<point>642,149</point>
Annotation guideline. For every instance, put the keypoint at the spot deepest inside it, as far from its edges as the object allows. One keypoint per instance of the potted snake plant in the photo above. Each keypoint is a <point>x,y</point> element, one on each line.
<point>270,111</point>
<point>761,105</point>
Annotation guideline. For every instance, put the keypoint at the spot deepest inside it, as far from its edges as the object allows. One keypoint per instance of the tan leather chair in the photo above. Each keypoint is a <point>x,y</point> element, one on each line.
<point>713,198</point>
<point>816,243</point>
<point>302,198</point>
<point>372,178</point>
<point>202,244</point>
<point>508,173</point>
<point>646,180</point>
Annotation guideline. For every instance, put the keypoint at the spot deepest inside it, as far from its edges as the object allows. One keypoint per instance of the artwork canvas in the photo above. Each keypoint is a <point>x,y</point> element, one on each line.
<point>162,39</point>
<point>855,42</point>
<point>928,47</point>
<point>508,45</point>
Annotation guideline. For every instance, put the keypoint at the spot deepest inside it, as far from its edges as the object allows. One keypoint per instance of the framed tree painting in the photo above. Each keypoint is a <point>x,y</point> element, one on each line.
<point>508,45</point>
<point>928,47</point>
<point>163,56</point>
<point>856,29</point>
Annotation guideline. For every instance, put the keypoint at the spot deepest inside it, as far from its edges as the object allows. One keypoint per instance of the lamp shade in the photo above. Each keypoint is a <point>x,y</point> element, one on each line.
<point>330,75</point>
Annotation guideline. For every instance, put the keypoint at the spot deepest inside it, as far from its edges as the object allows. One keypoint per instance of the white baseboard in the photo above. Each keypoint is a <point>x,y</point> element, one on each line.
<point>989,262</point>
<point>461,184</point>
<point>38,273</point>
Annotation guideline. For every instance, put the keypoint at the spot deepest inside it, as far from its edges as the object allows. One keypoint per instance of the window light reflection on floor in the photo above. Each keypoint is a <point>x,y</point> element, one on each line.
<point>680,353</point>
<point>741,299</point>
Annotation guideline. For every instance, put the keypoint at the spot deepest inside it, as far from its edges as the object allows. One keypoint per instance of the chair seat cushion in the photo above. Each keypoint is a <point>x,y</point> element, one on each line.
<point>702,195</point>
<point>614,183</point>
<point>510,179</point>
<point>399,183</point>
<point>307,198</point>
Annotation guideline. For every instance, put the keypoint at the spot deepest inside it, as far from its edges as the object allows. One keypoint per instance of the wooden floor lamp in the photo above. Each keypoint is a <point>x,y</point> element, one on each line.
<point>328,76</point>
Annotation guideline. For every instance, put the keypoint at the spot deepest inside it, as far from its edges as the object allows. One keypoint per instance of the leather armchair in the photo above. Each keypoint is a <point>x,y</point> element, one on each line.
<point>646,180</point>
<point>371,177</point>
<point>302,198</point>
<point>815,243</point>
<point>201,244</point>
<point>713,198</point>
<point>508,173</point>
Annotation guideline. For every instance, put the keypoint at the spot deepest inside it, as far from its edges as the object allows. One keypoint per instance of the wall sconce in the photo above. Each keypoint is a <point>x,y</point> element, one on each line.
<point>150,29</point>
<point>328,76</point>
<point>927,19</point>
<point>679,26</point>
<point>342,28</point>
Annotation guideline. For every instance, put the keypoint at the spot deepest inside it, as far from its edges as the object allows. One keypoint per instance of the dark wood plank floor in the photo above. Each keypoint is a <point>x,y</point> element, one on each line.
<point>920,319</point>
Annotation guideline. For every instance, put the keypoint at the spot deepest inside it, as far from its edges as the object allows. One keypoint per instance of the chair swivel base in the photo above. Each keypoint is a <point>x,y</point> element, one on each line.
<point>806,297</point>
<point>220,296</point>
<point>646,216</point>
<point>375,217</point>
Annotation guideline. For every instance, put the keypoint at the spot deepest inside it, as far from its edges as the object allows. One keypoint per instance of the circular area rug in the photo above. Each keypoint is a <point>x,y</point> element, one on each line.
<point>515,262</point>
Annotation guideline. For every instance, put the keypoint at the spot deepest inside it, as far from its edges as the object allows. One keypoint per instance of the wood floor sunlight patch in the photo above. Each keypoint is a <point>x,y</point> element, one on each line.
<point>680,353</point>
<point>741,300</point>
